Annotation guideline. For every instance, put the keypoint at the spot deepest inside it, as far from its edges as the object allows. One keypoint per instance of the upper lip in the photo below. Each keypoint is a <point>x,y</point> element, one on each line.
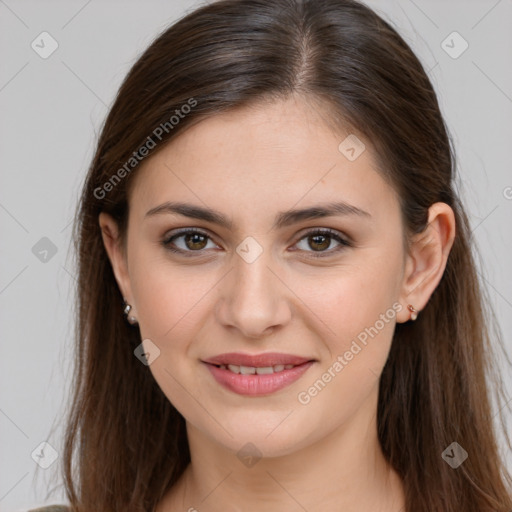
<point>257,360</point>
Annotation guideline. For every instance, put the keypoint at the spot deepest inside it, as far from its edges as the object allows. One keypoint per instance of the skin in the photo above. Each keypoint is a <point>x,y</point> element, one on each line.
<point>250,164</point>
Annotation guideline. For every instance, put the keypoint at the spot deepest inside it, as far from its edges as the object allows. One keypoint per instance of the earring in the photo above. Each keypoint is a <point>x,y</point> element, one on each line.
<point>127,308</point>
<point>414,312</point>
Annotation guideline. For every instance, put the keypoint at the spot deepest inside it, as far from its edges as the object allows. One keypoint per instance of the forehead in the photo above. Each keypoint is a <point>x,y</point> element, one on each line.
<point>259,159</point>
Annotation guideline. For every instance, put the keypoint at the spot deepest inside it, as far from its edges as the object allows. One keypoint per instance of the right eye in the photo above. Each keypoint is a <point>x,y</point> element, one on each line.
<point>191,240</point>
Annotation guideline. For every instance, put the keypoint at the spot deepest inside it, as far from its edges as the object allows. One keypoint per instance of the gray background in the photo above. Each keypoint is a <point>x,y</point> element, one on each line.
<point>51,112</point>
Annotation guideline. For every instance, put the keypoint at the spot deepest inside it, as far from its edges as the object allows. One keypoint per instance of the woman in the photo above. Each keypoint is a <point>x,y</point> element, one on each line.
<point>271,205</point>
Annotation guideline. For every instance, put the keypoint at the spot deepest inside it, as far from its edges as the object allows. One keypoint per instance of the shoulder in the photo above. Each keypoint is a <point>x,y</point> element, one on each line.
<point>51,508</point>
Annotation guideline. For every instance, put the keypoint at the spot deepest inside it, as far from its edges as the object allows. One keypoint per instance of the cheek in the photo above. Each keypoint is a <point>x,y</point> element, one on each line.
<point>357,306</point>
<point>168,295</point>
<point>352,297</point>
<point>169,302</point>
<point>346,380</point>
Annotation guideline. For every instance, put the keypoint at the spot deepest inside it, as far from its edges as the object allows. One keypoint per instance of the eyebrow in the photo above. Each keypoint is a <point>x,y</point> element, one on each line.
<point>282,219</point>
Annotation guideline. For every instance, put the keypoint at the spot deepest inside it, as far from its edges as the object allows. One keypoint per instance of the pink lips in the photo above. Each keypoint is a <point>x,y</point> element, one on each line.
<point>257,384</point>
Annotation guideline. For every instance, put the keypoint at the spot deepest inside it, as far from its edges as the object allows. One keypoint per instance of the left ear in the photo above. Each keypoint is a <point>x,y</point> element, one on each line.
<point>426,259</point>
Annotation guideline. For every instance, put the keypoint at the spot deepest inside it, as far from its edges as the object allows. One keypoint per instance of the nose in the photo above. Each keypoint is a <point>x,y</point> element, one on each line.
<point>253,298</point>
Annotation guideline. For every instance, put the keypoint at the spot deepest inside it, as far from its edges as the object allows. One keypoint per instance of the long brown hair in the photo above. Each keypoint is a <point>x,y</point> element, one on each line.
<point>125,443</point>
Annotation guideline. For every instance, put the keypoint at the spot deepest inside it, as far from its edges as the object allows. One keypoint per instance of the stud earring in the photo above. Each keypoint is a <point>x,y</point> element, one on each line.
<point>127,308</point>
<point>414,312</point>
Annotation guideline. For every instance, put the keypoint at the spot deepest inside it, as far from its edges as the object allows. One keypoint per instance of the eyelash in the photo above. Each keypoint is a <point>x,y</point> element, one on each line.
<point>167,242</point>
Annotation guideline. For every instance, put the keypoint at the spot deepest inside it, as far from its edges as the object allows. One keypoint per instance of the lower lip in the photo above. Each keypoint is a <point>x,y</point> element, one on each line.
<point>257,385</point>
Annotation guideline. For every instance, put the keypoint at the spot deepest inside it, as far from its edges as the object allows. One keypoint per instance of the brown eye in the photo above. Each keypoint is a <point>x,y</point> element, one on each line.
<point>187,241</point>
<point>195,241</point>
<point>319,241</point>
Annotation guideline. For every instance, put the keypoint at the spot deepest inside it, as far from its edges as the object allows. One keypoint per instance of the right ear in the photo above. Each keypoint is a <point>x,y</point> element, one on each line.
<point>117,257</point>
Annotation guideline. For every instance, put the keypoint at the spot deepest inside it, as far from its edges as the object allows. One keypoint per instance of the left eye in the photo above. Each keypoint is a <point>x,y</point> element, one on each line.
<point>193,240</point>
<point>321,239</point>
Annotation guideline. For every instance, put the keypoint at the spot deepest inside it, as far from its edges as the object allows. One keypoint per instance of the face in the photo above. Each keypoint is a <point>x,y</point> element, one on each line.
<point>321,293</point>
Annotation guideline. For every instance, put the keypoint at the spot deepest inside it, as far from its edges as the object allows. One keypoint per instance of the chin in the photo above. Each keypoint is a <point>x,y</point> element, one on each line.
<point>268,436</point>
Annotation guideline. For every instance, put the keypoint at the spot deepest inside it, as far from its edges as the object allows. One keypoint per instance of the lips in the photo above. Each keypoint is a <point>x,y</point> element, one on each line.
<point>259,374</point>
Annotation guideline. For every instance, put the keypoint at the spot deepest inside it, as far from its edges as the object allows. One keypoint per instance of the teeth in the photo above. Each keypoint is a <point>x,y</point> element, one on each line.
<point>251,370</point>
<point>265,370</point>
